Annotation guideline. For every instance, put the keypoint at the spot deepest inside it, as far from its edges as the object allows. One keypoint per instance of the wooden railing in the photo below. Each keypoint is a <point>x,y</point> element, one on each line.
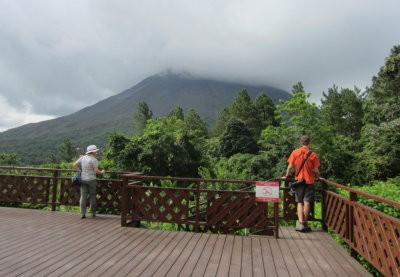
<point>199,208</point>
<point>368,232</point>
<point>53,187</point>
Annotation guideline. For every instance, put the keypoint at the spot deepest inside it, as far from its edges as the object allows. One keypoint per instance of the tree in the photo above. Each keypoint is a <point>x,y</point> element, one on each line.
<point>115,155</point>
<point>177,112</point>
<point>266,110</point>
<point>223,118</point>
<point>237,139</point>
<point>165,148</point>
<point>380,137</point>
<point>240,167</point>
<point>383,97</point>
<point>141,116</point>
<point>298,87</point>
<point>380,158</point>
<point>195,123</point>
<point>343,111</point>
<point>243,109</point>
<point>9,159</point>
<point>298,117</point>
<point>66,153</point>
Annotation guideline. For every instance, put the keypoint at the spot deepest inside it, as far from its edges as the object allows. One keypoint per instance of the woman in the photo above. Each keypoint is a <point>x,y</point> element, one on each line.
<point>89,166</point>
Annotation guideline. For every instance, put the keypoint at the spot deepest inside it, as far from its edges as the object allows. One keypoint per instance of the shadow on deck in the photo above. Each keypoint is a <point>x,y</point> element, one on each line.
<point>47,243</point>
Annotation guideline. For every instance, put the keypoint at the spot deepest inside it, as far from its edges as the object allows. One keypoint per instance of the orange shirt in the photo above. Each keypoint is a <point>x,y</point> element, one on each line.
<point>297,158</point>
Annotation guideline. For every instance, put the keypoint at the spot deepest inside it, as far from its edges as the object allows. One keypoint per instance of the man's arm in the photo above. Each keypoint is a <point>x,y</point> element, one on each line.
<point>289,170</point>
<point>316,173</point>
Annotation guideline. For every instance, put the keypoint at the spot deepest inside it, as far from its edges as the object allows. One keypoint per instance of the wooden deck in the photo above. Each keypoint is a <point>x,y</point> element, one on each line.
<point>45,243</point>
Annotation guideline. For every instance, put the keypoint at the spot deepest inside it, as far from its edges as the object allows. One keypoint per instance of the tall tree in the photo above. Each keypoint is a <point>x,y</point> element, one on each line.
<point>237,138</point>
<point>141,116</point>
<point>177,112</point>
<point>66,153</point>
<point>223,118</point>
<point>194,122</point>
<point>266,110</point>
<point>298,87</point>
<point>243,109</point>
<point>380,137</point>
<point>383,97</point>
<point>298,117</point>
<point>343,111</point>
<point>380,157</point>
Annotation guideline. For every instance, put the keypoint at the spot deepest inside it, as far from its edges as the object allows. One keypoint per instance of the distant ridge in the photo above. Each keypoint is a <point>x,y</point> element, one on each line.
<point>36,141</point>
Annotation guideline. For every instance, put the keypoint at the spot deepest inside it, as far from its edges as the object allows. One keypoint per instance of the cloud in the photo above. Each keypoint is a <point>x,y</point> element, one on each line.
<point>67,55</point>
<point>10,117</point>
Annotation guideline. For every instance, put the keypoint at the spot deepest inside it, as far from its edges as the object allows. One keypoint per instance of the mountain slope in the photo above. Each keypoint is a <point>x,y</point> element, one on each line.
<point>35,142</point>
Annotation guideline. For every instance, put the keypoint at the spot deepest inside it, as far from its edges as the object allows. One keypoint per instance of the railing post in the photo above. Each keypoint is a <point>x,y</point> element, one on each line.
<point>124,200</point>
<point>323,206</point>
<point>276,219</point>
<point>54,190</point>
<point>197,226</point>
<point>351,222</point>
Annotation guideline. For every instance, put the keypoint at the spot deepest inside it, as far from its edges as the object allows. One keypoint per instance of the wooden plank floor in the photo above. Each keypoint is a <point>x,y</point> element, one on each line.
<point>45,243</point>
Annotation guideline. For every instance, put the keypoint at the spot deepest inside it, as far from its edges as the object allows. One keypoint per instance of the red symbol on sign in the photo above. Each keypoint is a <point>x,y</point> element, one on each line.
<point>267,191</point>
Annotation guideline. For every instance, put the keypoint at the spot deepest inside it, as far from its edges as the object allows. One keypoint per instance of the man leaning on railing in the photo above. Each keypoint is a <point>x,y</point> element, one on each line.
<point>306,165</point>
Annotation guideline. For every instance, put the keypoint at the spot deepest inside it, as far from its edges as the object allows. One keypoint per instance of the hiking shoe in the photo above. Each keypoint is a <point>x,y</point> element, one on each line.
<point>83,216</point>
<point>306,230</point>
<point>300,227</point>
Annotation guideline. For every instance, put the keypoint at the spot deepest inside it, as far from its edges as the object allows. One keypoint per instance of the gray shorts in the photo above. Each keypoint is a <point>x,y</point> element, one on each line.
<point>304,193</point>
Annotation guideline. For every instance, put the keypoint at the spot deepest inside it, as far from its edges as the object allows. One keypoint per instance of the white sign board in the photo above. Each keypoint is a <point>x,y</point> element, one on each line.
<point>267,191</point>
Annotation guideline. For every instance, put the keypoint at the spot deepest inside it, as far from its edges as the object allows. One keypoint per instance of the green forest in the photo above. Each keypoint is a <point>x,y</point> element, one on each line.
<point>355,133</point>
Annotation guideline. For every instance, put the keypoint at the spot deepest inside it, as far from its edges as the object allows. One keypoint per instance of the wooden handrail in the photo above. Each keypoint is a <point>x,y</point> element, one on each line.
<point>362,193</point>
<point>133,175</point>
<point>64,170</point>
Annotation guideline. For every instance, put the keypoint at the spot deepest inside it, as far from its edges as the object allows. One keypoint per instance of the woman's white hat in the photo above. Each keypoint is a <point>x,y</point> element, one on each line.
<point>91,149</point>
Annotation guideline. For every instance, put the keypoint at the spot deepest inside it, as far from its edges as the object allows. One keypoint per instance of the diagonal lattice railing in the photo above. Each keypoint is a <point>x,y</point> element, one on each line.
<point>54,189</point>
<point>197,209</point>
<point>368,232</point>
<point>31,189</point>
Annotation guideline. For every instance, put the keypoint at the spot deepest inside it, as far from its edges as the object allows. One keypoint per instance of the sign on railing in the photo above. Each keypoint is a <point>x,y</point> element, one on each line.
<point>267,191</point>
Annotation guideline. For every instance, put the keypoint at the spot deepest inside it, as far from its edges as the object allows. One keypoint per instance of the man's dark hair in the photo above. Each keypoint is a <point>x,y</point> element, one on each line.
<point>305,140</point>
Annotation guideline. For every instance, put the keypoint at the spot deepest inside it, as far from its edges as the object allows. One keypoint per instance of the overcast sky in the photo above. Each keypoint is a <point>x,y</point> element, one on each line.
<point>57,57</point>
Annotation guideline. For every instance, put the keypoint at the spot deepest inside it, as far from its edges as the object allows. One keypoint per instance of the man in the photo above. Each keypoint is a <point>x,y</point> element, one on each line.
<point>304,194</point>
